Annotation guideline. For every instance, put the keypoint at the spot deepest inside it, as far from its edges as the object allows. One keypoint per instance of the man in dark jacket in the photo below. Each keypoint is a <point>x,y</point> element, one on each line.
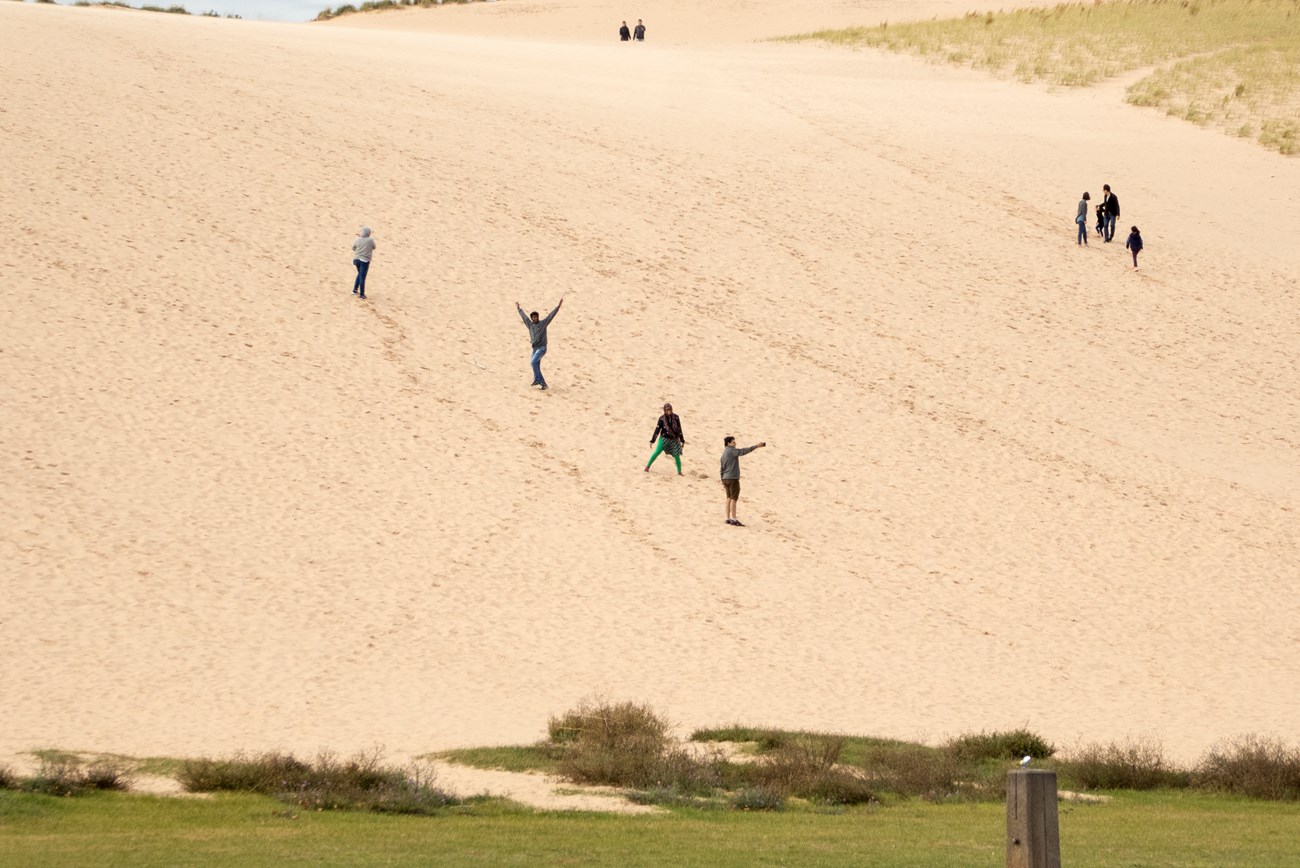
<point>638,33</point>
<point>1110,202</point>
<point>624,34</point>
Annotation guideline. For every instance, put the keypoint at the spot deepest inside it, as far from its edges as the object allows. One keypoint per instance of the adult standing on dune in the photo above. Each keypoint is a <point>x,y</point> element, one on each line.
<point>363,248</point>
<point>670,438</point>
<point>623,33</point>
<point>1081,219</point>
<point>537,334</point>
<point>638,33</point>
<point>731,475</point>
<point>1110,204</point>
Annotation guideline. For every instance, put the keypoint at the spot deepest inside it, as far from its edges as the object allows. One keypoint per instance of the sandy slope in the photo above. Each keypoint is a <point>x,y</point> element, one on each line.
<point>668,22</point>
<point>1009,481</point>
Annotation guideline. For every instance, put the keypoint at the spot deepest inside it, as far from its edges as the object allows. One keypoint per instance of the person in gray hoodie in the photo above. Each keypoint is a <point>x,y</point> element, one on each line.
<point>731,475</point>
<point>537,334</point>
<point>363,248</point>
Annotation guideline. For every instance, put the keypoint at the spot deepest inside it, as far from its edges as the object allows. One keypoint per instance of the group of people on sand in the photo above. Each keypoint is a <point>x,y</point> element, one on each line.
<point>1107,214</point>
<point>636,34</point>
<point>667,436</point>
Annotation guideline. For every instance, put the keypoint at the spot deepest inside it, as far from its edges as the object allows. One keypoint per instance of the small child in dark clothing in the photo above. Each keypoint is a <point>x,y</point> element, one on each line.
<point>1134,244</point>
<point>1101,219</point>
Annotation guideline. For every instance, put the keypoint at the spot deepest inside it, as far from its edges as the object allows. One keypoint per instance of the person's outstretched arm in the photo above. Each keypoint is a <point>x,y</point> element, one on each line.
<point>550,316</point>
<point>749,449</point>
<point>523,316</point>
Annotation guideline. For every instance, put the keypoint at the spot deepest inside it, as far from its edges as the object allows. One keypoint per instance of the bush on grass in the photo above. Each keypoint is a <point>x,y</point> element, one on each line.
<point>1137,764</point>
<point>932,774</point>
<point>1014,744</point>
<point>808,767</point>
<point>1251,765</point>
<point>757,799</point>
<point>618,743</point>
<point>362,783</point>
<point>68,775</point>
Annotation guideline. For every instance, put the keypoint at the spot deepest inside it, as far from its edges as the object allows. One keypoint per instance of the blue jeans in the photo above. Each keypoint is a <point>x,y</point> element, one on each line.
<point>1110,226</point>
<point>362,268</point>
<point>1083,231</point>
<point>538,379</point>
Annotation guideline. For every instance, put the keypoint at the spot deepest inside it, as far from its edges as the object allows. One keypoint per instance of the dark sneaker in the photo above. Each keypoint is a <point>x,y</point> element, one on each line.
<point>737,522</point>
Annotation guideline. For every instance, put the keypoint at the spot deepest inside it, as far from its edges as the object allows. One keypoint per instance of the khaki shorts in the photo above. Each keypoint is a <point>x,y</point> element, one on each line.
<point>732,487</point>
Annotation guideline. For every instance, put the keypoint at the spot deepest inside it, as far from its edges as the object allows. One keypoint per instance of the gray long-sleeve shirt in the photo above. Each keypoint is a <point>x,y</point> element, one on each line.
<point>731,460</point>
<point>537,330</point>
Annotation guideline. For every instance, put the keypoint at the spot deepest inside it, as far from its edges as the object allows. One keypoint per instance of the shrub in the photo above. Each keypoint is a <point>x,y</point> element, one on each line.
<point>807,766</point>
<point>605,742</point>
<point>68,775</point>
<point>1251,765</point>
<point>1014,744</point>
<point>8,780</point>
<point>330,784</point>
<point>757,799</point>
<point>929,773</point>
<point>1137,764</point>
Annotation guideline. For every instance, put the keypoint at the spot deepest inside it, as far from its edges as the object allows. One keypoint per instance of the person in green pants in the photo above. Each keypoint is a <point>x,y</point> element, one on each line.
<point>668,438</point>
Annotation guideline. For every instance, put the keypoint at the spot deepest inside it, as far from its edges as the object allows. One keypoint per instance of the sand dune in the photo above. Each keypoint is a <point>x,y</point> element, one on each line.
<point>1010,482</point>
<point>668,22</point>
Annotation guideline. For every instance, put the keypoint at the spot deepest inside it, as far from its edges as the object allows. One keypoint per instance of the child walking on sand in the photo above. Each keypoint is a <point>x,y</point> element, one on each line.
<point>1134,244</point>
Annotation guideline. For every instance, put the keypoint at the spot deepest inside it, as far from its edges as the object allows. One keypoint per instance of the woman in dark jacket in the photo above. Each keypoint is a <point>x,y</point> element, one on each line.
<point>668,437</point>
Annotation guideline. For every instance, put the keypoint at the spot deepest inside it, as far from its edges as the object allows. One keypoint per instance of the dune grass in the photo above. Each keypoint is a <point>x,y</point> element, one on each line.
<point>378,5</point>
<point>1233,64</point>
<point>528,758</point>
<point>1158,828</point>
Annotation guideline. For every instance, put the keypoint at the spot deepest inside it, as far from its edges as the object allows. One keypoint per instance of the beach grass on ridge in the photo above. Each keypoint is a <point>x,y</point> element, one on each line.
<point>1237,61</point>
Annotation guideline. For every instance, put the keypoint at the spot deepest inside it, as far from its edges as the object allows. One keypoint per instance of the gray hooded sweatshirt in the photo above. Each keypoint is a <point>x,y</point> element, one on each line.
<point>364,247</point>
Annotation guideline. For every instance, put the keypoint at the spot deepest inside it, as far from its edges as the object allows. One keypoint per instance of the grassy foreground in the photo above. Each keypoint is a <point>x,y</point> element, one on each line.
<point>1235,63</point>
<point>1150,829</point>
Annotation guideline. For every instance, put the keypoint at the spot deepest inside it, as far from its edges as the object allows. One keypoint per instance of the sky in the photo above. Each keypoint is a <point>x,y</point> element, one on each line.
<point>265,10</point>
<point>256,10</point>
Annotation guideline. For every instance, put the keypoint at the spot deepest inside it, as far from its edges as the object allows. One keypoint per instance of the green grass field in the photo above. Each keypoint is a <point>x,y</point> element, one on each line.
<point>1150,829</point>
<point>1234,64</point>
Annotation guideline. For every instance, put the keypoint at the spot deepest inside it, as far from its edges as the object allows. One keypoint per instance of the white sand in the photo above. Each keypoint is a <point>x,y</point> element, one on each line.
<point>1009,483</point>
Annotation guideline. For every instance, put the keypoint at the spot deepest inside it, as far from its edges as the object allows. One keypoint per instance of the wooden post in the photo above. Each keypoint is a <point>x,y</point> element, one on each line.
<point>1033,837</point>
